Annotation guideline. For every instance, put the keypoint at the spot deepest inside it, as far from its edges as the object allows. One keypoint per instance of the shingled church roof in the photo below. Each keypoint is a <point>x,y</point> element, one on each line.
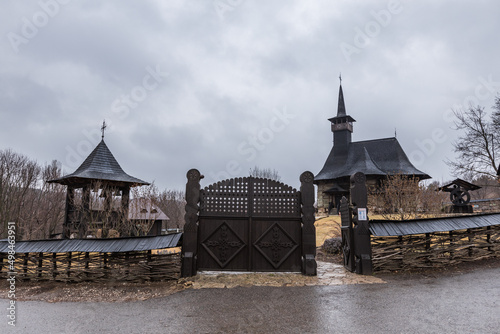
<point>99,165</point>
<point>373,157</point>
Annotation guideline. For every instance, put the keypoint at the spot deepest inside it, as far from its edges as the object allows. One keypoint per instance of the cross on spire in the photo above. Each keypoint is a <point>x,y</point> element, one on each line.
<point>103,127</point>
<point>340,77</point>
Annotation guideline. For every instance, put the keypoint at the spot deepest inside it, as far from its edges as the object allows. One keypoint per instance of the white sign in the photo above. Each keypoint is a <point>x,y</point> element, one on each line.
<point>362,214</point>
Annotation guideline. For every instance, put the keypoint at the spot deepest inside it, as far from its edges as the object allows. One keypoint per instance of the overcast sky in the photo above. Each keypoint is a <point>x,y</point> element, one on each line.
<point>226,85</point>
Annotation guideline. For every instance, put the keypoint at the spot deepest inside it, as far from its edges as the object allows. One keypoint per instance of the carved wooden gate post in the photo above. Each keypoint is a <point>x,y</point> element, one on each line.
<point>308,229</point>
<point>361,229</point>
<point>190,236</point>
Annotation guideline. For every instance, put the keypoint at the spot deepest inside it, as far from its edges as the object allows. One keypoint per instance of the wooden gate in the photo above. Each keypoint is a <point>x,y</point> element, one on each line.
<point>249,224</point>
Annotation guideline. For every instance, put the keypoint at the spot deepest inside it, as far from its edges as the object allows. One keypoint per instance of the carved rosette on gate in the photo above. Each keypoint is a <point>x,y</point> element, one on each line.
<point>276,245</point>
<point>223,244</point>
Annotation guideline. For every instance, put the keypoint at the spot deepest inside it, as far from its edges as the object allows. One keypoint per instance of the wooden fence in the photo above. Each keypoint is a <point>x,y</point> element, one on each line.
<point>96,267</point>
<point>436,249</point>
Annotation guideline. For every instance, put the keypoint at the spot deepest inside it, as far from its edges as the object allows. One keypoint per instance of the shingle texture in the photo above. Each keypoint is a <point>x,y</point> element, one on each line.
<point>100,165</point>
<point>422,226</point>
<point>372,157</point>
<point>94,245</point>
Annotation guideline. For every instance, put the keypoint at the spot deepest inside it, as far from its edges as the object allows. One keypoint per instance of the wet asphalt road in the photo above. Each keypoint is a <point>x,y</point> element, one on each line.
<point>467,303</point>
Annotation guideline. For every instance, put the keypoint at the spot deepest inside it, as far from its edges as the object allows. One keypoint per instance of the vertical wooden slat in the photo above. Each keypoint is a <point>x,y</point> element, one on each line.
<point>451,244</point>
<point>54,265</point>
<point>69,208</point>
<point>40,265</point>
<point>85,221</point>
<point>68,271</point>
<point>25,265</point>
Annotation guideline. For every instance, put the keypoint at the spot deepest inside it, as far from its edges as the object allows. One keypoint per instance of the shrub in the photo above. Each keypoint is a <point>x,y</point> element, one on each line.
<point>332,245</point>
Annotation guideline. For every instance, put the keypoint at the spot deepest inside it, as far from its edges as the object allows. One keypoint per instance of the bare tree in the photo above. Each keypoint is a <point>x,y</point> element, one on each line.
<point>25,198</point>
<point>489,188</point>
<point>266,173</point>
<point>402,197</point>
<point>173,203</point>
<point>433,200</point>
<point>144,199</point>
<point>477,146</point>
<point>43,209</point>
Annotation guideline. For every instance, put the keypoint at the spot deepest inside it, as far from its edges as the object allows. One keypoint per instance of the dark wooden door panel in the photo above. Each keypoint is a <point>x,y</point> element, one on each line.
<point>276,245</point>
<point>223,244</point>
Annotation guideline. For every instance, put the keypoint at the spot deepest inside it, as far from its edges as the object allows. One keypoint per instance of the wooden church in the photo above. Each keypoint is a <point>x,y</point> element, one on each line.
<point>376,158</point>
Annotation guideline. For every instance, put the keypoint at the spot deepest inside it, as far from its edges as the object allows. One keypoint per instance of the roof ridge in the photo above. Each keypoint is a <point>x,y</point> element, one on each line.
<point>373,140</point>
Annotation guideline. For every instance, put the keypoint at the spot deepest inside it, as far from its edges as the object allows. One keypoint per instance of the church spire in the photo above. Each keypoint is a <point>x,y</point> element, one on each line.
<point>342,123</point>
<point>341,105</point>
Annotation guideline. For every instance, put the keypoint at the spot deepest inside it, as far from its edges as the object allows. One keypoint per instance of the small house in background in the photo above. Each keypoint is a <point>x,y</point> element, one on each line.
<point>147,217</point>
<point>376,158</point>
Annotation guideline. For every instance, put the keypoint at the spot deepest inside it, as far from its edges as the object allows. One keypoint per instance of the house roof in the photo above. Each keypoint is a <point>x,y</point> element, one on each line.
<point>461,183</point>
<point>422,226</point>
<point>95,245</point>
<point>138,209</point>
<point>99,165</point>
<point>145,209</point>
<point>373,157</point>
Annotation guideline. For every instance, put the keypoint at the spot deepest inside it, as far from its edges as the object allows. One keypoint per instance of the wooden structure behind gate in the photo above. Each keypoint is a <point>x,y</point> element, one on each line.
<point>249,224</point>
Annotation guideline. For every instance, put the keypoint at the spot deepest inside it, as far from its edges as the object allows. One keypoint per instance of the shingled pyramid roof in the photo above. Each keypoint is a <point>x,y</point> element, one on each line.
<point>100,165</point>
<point>373,157</point>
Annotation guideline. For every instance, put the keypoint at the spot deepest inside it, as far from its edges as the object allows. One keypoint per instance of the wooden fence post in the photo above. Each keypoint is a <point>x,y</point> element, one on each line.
<point>309,265</point>
<point>54,265</point>
<point>25,265</point>
<point>87,260</point>
<point>488,237</point>
<point>190,237</point>
<point>68,272</point>
<point>361,229</point>
<point>40,264</point>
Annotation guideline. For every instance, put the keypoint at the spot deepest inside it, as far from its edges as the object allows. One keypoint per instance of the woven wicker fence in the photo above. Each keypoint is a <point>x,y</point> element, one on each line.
<point>94,267</point>
<point>435,249</point>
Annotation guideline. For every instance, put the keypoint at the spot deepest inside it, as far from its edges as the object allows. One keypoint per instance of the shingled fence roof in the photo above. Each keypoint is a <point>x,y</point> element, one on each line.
<point>133,244</point>
<point>381,228</point>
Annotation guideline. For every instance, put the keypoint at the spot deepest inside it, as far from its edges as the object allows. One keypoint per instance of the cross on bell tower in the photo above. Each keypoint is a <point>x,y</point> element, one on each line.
<point>103,127</point>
